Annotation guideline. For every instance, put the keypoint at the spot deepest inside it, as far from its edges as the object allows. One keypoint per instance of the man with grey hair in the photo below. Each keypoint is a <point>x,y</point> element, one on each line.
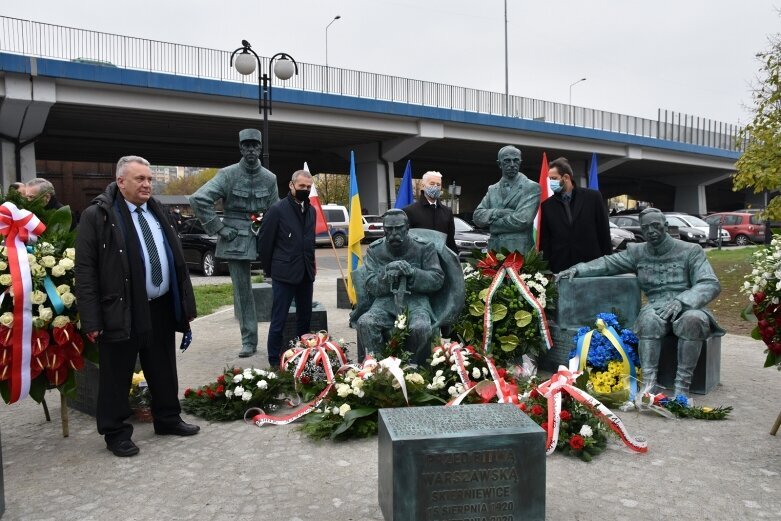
<point>429,212</point>
<point>42,190</point>
<point>247,191</point>
<point>509,207</point>
<point>287,250</point>
<point>134,293</point>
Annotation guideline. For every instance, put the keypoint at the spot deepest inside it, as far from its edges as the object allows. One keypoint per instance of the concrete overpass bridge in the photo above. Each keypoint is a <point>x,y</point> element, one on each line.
<point>73,95</point>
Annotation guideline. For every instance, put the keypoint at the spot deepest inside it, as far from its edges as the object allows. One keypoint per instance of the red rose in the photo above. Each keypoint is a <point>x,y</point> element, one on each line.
<point>523,406</point>
<point>544,426</point>
<point>502,372</point>
<point>306,380</point>
<point>199,392</point>
<point>775,348</point>
<point>577,442</point>
<point>566,416</point>
<point>534,394</point>
<point>221,379</point>
<point>220,389</point>
<point>187,392</point>
<point>537,410</point>
<point>236,370</point>
<point>759,296</point>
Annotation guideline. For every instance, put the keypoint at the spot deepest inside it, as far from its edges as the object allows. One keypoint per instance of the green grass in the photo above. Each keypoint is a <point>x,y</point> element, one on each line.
<point>210,297</point>
<point>731,266</point>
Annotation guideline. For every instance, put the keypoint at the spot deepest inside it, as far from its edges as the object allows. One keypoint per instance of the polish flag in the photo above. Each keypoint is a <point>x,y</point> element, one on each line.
<point>321,225</point>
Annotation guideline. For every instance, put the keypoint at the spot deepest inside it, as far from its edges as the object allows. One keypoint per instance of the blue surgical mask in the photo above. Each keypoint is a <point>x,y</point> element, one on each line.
<point>555,185</point>
<point>432,192</point>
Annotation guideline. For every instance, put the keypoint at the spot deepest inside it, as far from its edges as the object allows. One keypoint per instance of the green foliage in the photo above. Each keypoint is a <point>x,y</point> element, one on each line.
<point>333,188</point>
<point>210,297</point>
<point>759,168</point>
<point>188,185</point>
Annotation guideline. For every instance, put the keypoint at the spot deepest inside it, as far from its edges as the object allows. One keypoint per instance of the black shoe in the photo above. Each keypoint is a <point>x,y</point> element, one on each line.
<point>273,364</point>
<point>178,429</point>
<point>246,352</point>
<point>123,448</point>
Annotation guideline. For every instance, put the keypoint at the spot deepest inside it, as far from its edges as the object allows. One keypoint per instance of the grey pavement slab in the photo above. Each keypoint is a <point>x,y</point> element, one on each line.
<point>693,470</point>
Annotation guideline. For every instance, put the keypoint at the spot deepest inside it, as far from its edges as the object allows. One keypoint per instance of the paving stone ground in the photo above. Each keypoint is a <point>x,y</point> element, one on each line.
<point>694,470</point>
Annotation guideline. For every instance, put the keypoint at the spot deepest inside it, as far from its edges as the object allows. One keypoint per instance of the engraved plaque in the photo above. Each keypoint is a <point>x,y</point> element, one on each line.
<point>461,463</point>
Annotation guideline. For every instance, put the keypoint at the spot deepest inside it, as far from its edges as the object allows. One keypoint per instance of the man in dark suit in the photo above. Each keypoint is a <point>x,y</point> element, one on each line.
<point>574,226</point>
<point>287,251</point>
<point>134,292</point>
<point>429,212</point>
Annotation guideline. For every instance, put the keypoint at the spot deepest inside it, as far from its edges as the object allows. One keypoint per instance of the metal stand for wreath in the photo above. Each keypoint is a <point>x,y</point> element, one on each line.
<point>776,425</point>
<point>63,414</point>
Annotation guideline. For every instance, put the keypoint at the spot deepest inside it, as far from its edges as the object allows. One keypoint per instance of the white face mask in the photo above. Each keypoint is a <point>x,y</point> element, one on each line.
<point>555,185</point>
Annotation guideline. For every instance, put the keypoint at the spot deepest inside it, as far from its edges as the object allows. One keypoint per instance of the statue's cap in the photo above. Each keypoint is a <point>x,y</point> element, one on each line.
<point>249,134</point>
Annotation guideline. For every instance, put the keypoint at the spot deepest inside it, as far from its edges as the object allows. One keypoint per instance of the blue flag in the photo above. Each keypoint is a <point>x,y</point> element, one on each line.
<point>593,179</point>
<point>405,196</point>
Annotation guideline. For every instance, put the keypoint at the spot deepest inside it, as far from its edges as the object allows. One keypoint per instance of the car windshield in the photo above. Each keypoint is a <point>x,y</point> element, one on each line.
<point>373,218</point>
<point>673,220</point>
<point>612,225</point>
<point>462,226</point>
<point>694,221</point>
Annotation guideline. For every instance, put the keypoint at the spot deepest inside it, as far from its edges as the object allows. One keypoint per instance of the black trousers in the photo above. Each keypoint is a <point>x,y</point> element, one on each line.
<point>283,294</point>
<point>158,361</point>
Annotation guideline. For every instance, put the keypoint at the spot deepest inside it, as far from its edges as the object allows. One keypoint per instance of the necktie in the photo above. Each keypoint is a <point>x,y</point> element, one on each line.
<point>151,248</point>
<point>566,198</point>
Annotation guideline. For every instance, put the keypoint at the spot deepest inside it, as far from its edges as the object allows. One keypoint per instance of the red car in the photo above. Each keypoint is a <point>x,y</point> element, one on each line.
<point>744,228</point>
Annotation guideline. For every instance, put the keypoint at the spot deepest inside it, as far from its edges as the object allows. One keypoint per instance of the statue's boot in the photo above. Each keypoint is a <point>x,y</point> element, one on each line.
<point>649,348</point>
<point>688,354</point>
<point>247,351</point>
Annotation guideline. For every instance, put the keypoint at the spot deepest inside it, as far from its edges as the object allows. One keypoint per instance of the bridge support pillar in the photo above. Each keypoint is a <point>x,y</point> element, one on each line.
<point>691,199</point>
<point>372,174</point>
<point>23,112</point>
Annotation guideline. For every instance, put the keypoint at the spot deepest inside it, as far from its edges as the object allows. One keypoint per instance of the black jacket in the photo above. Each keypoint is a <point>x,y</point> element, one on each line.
<point>439,217</point>
<point>565,244</point>
<point>103,290</point>
<point>287,241</point>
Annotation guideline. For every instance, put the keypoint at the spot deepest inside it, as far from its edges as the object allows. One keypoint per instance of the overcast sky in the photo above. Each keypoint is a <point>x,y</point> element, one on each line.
<point>692,56</point>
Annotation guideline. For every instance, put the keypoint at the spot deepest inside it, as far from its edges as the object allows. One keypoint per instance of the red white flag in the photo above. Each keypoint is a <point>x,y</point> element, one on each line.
<point>321,224</point>
<point>545,192</point>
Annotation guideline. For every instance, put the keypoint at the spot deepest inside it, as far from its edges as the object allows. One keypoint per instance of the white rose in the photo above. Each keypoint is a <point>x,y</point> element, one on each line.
<point>3,265</point>
<point>46,314</point>
<point>32,260</point>
<point>359,393</point>
<point>259,372</point>
<point>68,299</point>
<point>335,410</point>
<point>271,375</point>
<point>236,379</point>
<point>238,391</point>
<point>262,384</point>
<point>66,264</point>
<point>343,390</point>
<point>414,378</point>
<point>62,289</point>
<point>452,391</point>
<point>38,271</point>
<point>344,409</point>
<point>586,431</point>
<point>228,394</point>
<point>60,321</point>
<point>357,383</point>
<point>58,271</point>
<point>5,279</point>
<point>247,396</point>
<point>476,373</point>
<point>48,261</point>
<point>7,319</point>
<point>70,253</point>
<point>38,323</point>
<point>38,297</point>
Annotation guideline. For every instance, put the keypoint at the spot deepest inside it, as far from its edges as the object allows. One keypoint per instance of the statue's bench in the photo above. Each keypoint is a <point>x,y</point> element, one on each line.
<point>580,299</point>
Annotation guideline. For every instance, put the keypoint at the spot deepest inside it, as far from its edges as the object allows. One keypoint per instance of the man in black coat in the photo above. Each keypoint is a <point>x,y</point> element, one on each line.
<point>287,251</point>
<point>134,292</point>
<point>429,212</point>
<point>574,226</point>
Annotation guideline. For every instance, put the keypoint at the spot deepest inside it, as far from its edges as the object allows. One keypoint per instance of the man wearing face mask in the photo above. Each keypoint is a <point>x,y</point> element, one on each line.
<point>287,250</point>
<point>429,213</point>
<point>247,190</point>
<point>574,226</point>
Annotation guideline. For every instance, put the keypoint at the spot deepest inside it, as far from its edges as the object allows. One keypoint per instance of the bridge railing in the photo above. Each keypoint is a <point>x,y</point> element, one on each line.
<point>66,43</point>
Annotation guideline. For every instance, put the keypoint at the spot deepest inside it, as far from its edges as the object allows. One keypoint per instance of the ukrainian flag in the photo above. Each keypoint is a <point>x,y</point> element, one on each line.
<point>355,232</point>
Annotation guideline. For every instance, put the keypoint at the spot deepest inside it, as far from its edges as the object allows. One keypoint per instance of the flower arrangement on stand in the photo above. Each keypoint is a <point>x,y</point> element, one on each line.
<point>56,346</point>
<point>763,289</point>
<point>233,392</point>
<point>311,361</point>
<point>609,356</point>
<point>140,399</point>
<point>506,318</point>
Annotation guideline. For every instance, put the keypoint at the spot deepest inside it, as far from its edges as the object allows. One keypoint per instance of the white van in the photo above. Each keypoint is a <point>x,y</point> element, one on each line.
<point>336,215</point>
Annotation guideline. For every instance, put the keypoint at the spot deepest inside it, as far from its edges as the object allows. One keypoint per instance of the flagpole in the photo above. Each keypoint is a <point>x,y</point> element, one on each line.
<point>336,256</point>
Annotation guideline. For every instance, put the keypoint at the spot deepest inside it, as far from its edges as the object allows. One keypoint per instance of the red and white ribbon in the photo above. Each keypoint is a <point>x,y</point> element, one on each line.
<point>314,347</point>
<point>460,354</point>
<point>563,381</point>
<point>20,227</point>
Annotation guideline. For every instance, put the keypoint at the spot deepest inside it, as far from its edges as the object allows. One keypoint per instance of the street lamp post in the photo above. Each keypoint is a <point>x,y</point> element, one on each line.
<point>337,17</point>
<point>284,69</point>
<point>570,98</point>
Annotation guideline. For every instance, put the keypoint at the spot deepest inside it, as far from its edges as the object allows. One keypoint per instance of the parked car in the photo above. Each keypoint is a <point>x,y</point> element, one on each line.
<point>744,228</point>
<point>199,247</point>
<point>338,233</point>
<point>372,228</point>
<point>688,232</point>
<point>693,222</point>
<point>336,215</point>
<point>468,217</point>
<point>469,239</point>
<point>620,237</point>
<point>631,223</point>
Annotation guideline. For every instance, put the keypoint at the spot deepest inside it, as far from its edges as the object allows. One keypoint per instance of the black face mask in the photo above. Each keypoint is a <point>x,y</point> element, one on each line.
<point>302,195</point>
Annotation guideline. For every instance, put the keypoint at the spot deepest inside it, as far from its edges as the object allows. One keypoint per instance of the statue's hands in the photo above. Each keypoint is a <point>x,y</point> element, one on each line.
<point>567,274</point>
<point>671,310</point>
<point>227,233</point>
<point>405,268</point>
